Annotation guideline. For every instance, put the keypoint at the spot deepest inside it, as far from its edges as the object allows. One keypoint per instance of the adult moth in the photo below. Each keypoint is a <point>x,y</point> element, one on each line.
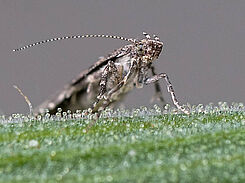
<point>110,78</point>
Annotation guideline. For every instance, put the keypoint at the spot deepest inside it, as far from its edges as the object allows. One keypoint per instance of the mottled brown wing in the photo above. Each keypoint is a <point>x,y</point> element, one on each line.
<point>62,98</point>
<point>101,62</point>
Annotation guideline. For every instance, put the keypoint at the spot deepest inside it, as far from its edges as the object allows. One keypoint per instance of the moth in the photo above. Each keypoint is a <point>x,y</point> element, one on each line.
<point>109,79</point>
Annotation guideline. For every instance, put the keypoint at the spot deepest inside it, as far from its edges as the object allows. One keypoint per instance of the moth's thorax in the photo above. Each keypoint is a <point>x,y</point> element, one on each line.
<point>148,50</point>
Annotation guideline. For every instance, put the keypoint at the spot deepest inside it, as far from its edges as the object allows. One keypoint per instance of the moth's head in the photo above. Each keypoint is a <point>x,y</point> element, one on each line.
<point>149,49</point>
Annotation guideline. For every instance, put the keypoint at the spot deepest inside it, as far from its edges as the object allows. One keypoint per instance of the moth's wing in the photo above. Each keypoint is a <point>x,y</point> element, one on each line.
<point>62,98</point>
<point>102,62</point>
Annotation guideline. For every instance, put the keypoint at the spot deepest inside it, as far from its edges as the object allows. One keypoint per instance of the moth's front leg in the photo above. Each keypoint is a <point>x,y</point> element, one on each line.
<point>164,76</point>
<point>158,93</point>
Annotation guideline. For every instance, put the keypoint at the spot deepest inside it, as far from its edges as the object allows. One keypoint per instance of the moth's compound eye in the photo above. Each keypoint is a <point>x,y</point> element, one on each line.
<point>140,48</point>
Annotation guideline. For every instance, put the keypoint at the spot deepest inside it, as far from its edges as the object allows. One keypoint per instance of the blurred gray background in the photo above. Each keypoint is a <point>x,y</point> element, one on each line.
<point>204,46</point>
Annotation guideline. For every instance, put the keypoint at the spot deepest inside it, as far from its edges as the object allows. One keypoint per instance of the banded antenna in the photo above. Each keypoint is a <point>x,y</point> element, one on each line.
<point>75,37</point>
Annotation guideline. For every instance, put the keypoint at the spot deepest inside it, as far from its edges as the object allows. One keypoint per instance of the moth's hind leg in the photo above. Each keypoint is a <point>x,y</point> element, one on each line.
<point>155,78</point>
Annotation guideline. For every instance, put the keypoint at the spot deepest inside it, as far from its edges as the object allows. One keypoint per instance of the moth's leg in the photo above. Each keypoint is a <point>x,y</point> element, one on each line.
<point>164,76</point>
<point>109,70</point>
<point>106,96</point>
<point>122,82</point>
<point>105,99</point>
<point>158,93</point>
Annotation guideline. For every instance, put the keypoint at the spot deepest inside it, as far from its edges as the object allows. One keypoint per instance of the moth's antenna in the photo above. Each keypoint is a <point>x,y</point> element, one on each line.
<point>75,37</point>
